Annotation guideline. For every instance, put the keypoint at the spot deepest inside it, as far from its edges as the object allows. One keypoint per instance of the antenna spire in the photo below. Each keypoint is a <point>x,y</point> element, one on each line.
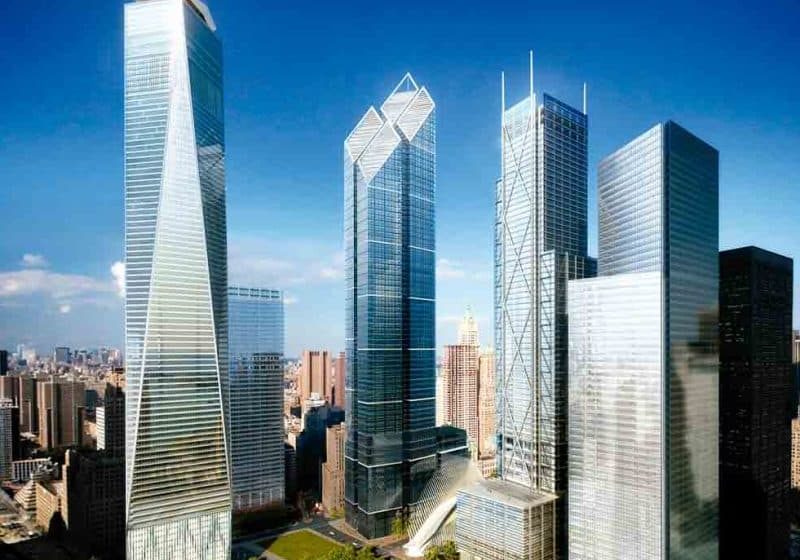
<point>584,98</point>
<point>530,58</point>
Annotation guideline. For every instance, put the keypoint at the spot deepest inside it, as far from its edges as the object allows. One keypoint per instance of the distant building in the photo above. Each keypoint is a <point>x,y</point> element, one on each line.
<point>3,363</point>
<point>311,446</point>
<point>110,420</point>
<point>492,513</point>
<point>440,393</point>
<point>95,495</point>
<point>486,404</point>
<point>9,437</point>
<point>337,393</point>
<point>21,389</point>
<point>795,453</point>
<point>290,471</point>
<point>23,470</point>
<point>333,469</point>
<point>315,374</point>
<point>61,408</point>
<point>51,500</point>
<point>255,352</point>
<point>62,355</point>
<point>460,385</point>
<point>755,403</point>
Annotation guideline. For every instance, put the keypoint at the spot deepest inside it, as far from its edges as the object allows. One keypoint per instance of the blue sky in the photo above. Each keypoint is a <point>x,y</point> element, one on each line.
<point>298,77</point>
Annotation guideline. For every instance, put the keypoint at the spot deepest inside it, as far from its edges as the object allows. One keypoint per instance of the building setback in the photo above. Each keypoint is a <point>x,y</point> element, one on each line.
<point>643,359</point>
<point>178,482</point>
<point>255,338</point>
<point>389,192</point>
<point>540,244</point>
<point>755,403</point>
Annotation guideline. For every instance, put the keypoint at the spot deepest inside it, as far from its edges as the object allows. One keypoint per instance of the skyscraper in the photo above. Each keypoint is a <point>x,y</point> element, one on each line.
<point>9,436</point>
<point>755,403</point>
<point>643,359</point>
<point>62,409</point>
<point>315,374</point>
<point>339,371</point>
<point>540,243</point>
<point>460,380</point>
<point>178,491</point>
<point>389,180</point>
<point>110,420</point>
<point>256,334</point>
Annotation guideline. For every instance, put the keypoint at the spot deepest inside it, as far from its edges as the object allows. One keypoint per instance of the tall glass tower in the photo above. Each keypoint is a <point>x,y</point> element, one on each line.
<point>389,180</point>
<point>541,243</point>
<point>178,491</point>
<point>643,353</point>
<point>256,373</point>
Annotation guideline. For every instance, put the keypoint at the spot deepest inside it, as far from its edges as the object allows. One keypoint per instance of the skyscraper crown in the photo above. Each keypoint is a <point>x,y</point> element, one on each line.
<point>377,134</point>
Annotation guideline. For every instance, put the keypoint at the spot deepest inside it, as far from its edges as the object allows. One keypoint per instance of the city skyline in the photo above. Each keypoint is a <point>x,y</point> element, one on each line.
<point>67,146</point>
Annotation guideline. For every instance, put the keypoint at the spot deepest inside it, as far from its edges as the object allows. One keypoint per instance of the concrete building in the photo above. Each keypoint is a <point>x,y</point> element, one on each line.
<point>22,390</point>
<point>460,385</point>
<point>62,355</point>
<point>110,421</point>
<point>487,433</point>
<point>333,470</point>
<point>3,363</point>
<point>22,470</point>
<point>339,372</point>
<point>315,374</point>
<point>95,495</point>
<point>493,514</point>
<point>311,446</point>
<point>755,403</point>
<point>51,501</point>
<point>9,437</point>
<point>61,406</point>
<point>795,453</point>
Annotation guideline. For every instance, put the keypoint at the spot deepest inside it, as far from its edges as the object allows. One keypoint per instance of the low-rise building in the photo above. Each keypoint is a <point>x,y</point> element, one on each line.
<point>500,520</point>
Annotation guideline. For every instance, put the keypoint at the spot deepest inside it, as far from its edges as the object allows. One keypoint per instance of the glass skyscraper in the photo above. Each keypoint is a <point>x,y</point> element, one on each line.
<point>389,189</point>
<point>178,492</point>
<point>255,349</point>
<point>540,243</point>
<point>643,358</point>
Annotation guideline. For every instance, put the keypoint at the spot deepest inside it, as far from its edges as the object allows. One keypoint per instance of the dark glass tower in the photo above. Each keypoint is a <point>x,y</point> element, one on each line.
<point>755,335</point>
<point>389,180</point>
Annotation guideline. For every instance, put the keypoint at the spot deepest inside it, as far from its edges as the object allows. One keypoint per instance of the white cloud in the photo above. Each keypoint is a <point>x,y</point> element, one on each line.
<point>118,272</point>
<point>64,308</point>
<point>279,265</point>
<point>32,260</point>
<point>30,282</point>
<point>447,269</point>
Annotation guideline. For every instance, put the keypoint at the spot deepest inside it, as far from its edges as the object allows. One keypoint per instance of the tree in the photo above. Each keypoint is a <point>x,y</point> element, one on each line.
<point>399,526</point>
<point>449,551</point>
